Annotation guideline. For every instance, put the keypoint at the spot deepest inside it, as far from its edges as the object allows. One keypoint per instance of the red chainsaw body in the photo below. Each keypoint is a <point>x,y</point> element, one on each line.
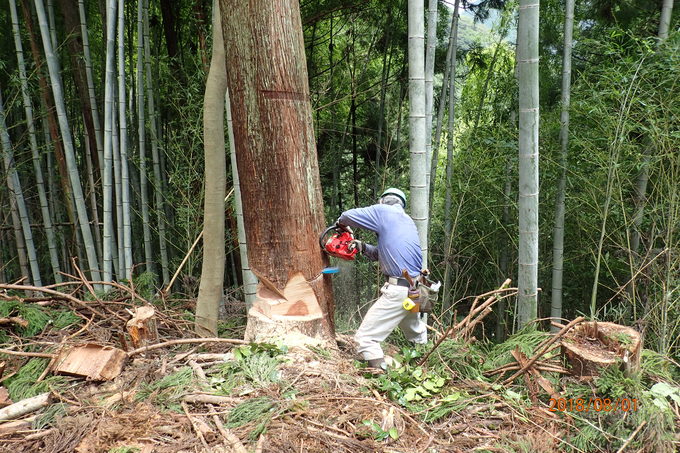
<point>338,245</point>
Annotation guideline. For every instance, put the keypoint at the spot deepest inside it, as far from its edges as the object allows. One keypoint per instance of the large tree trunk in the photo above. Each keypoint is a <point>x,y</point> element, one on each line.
<point>527,57</point>
<point>212,270</point>
<point>275,147</point>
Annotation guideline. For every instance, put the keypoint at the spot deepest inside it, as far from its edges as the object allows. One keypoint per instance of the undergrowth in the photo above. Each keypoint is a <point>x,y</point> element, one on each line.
<point>168,391</point>
<point>25,383</point>
<point>38,318</point>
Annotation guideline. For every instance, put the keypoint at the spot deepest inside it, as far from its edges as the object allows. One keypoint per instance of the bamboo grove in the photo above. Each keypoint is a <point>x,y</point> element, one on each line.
<point>101,125</point>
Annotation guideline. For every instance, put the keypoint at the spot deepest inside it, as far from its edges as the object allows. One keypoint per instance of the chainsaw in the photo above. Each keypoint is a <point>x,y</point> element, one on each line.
<point>339,244</point>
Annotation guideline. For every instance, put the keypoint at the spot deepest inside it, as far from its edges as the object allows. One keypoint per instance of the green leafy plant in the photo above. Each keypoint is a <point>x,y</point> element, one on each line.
<point>380,434</point>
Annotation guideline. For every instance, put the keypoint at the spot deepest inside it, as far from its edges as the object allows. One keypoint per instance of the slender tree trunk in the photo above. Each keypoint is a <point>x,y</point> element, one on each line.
<point>274,134</point>
<point>74,177</point>
<point>429,85</point>
<point>18,203</point>
<point>504,262</point>
<point>51,119</point>
<point>665,21</point>
<point>53,28</point>
<point>108,190</point>
<point>487,79</point>
<point>158,182</point>
<point>99,139</point>
<point>558,230</point>
<point>417,120</point>
<point>119,255</point>
<point>123,137</point>
<point>74,40</point>
<point>449,72</point>
<point>141,134</point>
<point>212,270</point>
<point>527,63</point>
<point>386,63</point>
<point>28,107</point>
<point>249,279</point>
<point>448,224</point>
<point>92,191</point>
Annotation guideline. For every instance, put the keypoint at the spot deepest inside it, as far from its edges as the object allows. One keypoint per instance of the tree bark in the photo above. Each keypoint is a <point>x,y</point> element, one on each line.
<point>275,145</point>
<point>249,279</point>
<point>74,40</point>
<point>212,270</point>
<point>527,63</point>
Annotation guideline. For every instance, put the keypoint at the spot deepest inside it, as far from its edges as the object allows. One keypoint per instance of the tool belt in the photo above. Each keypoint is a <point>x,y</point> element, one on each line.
<point>422,294</point>
<point>399,281</point>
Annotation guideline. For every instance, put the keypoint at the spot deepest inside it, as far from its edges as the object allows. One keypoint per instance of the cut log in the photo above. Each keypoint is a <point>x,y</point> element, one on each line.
<point>592,346</point>
<point>24,407</point>
<point>91,361</point>
<point>142,326</point>
<point>292,315</point>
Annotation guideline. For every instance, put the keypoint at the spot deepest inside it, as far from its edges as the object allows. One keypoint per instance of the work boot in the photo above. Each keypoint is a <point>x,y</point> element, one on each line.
<point>378,364</point>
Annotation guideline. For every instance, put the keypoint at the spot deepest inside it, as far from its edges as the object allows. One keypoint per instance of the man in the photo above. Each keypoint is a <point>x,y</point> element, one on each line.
<point>398,249</point>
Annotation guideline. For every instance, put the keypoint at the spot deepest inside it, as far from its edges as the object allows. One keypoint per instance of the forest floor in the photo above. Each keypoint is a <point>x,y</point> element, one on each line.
<point>220,397</point>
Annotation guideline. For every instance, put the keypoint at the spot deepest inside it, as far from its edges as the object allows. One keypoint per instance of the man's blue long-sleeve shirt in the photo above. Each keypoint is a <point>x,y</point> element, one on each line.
<point>398,243</point>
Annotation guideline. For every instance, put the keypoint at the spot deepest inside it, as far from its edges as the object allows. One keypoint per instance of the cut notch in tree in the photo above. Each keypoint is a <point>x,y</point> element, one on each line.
<point>293,314</point>
<point>592,346</point>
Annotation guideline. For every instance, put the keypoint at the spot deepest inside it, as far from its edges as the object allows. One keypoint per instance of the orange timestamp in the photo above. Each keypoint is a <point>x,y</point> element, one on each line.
<point>593,404</point>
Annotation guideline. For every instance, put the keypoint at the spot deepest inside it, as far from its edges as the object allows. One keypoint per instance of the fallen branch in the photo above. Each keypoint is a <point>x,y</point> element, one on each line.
<point>233,441</point>
<point>24,407</point>
<point>493,298</point>
<point>44,355</point>
<point>14,320</point>
<point>184,341</point>
<point>206,398</point>
<point>16,425</point>
<point>632,436</point>
<point>544,349</point>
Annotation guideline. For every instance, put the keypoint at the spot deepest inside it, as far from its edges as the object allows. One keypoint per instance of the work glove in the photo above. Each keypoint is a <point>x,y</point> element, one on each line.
<point>358,245</point>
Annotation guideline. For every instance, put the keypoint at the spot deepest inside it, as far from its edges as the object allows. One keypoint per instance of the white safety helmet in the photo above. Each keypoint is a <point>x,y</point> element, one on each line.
<point>394,192</point>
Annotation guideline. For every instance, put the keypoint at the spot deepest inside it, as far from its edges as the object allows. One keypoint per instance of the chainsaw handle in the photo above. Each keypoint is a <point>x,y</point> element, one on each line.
<point>323,236</point>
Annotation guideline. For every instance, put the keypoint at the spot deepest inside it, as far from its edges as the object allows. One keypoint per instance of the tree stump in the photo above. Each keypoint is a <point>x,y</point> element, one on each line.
<point>142,326</point>
<point>293,315</point>
<point>593,346</point>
